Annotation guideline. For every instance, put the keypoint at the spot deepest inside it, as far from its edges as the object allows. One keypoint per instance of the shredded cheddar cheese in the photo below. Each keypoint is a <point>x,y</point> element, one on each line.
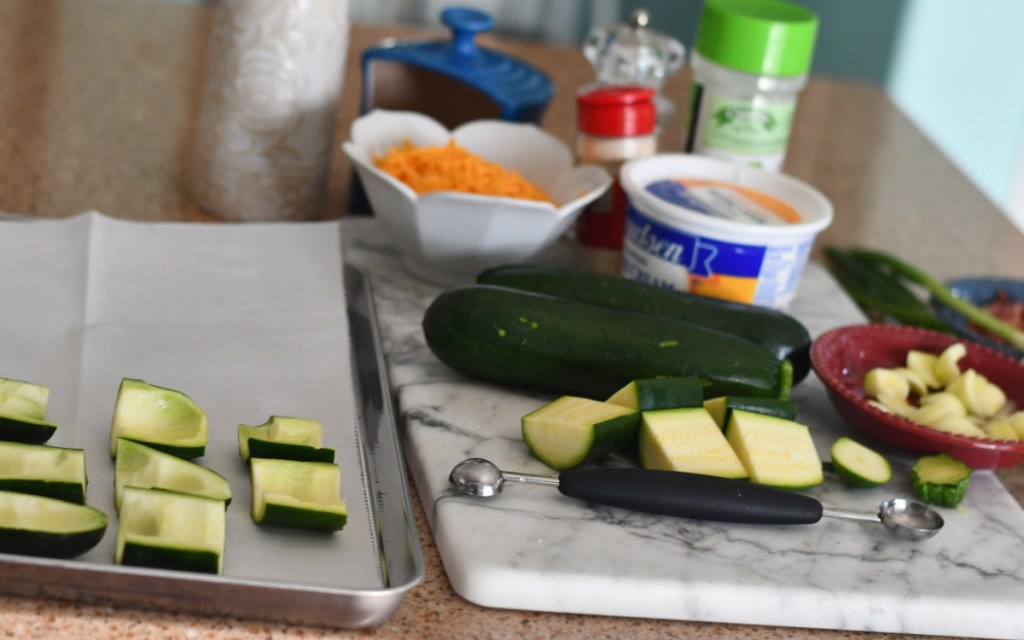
<point>453,168</point>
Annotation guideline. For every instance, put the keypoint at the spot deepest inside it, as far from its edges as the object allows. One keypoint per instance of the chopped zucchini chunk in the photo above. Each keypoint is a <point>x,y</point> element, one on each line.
<point>43,470</point>
<point>39,526</point>
<point>859,466</point>
<point>687,440</point>
<point>886,384</point>
<point>947,367</point>
<point>23,412</point>
<point>1001,430</point>
<point>571,430</point>
<point>1016,420</point>
<point>963,403</point>
<point>137,465</point>
<point>165,530</point>
<point>774,451</point>
<point>669,392</point>
<point>164,419</point>
<point>917,384</point>
<point>945,401</point>
<point>923,364</point>
<point>979,396</point>
<point>956,424</point>
<point>940,479</point>
<point>293,493</point>
<point>286,438</point>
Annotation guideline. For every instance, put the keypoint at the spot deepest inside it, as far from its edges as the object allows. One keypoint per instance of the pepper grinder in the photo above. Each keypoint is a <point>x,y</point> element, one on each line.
<point>269,105</point>
<point>635,54</point>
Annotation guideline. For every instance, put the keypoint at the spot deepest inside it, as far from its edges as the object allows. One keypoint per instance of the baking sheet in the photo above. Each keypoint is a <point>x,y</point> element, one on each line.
<point>250,321</point>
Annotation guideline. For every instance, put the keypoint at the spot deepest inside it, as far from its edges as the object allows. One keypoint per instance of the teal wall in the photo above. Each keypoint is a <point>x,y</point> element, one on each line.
<point>955,68</point>
<point>958,72</point>
<point>856,38</point>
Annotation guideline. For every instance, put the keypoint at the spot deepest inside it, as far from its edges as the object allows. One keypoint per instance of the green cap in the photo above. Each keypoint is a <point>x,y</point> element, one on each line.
<point>762,37</point>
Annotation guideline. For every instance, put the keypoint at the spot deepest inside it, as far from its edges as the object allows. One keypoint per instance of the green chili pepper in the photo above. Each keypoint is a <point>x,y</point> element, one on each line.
<point>877,292</point>
<point>974,314</point>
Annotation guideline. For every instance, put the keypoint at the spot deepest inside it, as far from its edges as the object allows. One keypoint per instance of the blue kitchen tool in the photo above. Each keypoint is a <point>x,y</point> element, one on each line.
<point>453,81</point>
<point>519,92</point>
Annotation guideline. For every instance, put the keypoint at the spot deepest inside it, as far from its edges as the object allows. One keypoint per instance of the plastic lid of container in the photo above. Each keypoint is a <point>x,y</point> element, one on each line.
<point>521,91</point>
<point>763,37</point>
<point>617,111</point>
<point>812,207</point>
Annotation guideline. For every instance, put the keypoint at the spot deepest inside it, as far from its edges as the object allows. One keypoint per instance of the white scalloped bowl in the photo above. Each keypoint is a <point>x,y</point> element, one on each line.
<point>448,237</point>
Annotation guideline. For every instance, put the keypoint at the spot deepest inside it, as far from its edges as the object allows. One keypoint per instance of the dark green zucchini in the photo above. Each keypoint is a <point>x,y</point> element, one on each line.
<point>40,526</point>
<point>721,408</point>
<point>534,341</point>
<point>667,392</point>
<point>779,333</point>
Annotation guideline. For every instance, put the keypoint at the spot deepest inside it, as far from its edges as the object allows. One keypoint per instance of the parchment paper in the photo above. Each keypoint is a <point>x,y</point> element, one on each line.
<point>248,320</point>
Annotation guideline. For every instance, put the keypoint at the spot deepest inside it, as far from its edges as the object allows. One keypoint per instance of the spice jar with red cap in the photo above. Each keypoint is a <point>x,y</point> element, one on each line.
<point>615,124</point>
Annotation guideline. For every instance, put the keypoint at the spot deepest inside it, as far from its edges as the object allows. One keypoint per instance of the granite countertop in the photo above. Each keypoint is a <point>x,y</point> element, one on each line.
<point>96,113</point>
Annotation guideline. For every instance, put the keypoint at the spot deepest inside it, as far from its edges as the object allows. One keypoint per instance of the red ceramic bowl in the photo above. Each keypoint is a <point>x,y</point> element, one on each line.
<point>842,356</point>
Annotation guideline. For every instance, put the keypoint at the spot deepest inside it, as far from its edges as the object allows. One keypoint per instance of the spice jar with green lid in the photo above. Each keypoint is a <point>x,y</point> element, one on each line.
<point>750,60</point>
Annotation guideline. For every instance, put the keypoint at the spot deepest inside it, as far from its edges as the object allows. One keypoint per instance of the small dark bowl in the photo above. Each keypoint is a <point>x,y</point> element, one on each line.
<point>842,356</point>
<point>979,292</point>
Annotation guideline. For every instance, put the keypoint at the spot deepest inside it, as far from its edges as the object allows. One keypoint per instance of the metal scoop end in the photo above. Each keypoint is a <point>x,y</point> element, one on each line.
<point>908,520</point>
<point>476,477</point>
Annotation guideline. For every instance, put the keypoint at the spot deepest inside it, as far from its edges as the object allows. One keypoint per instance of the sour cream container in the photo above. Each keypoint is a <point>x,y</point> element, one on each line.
<point>719,229</point>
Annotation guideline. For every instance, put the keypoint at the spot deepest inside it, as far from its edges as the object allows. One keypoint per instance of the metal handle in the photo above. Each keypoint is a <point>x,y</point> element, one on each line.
<point>688,495</point>
<point>528,478</point>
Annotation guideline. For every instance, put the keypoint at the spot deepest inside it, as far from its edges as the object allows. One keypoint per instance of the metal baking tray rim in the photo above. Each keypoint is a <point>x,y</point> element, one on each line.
<point>274,601</point>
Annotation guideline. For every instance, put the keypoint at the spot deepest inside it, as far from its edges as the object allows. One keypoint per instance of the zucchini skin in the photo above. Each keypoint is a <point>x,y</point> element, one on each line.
<point>155,557</point>
<point>779,333</point>
<point>14,430</point>
<point>46,544</point>
<point>56,489</point>
<point>545,343</point>
<point>940,479</point>
<point>259,448</point>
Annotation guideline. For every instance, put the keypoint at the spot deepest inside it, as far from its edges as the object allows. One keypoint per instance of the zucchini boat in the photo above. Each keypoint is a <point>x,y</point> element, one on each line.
<point>541,342</point>
<point>298,494</point>
<point>39,526</point>
<point>42,470</point>
<point>23,412</point>
<point>284,438</point>
<point>164,419</point>
<point>144,467</point>
<point>167,530</point>
<point>779,333</point>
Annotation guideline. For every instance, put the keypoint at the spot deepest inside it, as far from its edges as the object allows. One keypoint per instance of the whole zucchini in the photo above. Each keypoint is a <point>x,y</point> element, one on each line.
<point>779,333</point>
<point>552,344</point>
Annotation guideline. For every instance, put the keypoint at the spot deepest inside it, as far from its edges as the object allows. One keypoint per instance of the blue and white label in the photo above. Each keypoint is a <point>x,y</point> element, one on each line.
<point>665,256</point>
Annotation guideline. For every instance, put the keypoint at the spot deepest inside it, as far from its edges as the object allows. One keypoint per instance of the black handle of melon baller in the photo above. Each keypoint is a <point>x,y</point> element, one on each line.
<point>688,495</point>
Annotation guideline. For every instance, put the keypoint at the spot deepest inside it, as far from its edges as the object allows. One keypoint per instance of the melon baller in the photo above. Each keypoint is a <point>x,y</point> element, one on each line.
<point>699,497</point>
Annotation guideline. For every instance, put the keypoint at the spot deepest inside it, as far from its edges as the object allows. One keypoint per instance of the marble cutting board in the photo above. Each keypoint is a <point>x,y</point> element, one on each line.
<point>532,548</point>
